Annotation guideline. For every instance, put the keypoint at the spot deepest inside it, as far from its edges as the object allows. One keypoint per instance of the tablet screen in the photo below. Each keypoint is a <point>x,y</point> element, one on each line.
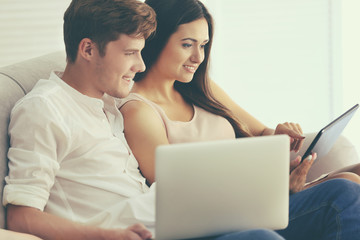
<point>328,135</point>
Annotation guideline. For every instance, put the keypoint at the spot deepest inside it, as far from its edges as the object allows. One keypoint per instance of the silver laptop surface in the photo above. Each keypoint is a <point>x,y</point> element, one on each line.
<point>210,188</point>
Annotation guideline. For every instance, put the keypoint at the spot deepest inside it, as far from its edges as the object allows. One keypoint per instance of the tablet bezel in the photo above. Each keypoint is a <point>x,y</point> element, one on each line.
<point>321,132</point>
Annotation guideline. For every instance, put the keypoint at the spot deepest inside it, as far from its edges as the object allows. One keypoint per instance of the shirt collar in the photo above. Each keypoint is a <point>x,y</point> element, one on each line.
<point>106,100</point>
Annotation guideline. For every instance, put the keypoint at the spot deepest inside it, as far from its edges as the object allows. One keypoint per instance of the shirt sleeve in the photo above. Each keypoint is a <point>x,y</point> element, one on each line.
<point>37,138</point>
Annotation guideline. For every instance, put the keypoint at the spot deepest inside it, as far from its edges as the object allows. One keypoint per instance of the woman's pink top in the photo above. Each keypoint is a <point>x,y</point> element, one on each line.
<point>204,126</point>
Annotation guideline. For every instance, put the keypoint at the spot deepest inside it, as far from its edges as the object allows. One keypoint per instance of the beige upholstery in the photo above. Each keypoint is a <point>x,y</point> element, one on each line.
<point>18,79</point>
<point>342,154</point>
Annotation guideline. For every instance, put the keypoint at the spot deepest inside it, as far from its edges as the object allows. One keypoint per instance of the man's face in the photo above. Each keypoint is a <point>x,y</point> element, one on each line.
<point>115,71</point>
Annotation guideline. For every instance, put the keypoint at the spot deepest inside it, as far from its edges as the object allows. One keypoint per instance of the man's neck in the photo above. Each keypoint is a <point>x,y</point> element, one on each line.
<point>81,79</point>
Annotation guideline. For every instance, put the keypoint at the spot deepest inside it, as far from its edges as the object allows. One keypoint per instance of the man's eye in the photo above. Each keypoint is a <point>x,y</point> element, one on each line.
<point>129,53</point>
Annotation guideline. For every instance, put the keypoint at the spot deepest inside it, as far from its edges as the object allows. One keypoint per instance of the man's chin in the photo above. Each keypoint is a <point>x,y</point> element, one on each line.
<point>119,94</point>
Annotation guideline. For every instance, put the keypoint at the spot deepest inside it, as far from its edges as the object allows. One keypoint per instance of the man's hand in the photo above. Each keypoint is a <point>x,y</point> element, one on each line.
<point>140,230</point>
<point>294,131</point>
<point>134,232</point>
<point>299,171</point>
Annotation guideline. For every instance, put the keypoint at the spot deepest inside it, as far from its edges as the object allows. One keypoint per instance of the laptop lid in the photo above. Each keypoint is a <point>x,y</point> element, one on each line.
<point>210,188</point>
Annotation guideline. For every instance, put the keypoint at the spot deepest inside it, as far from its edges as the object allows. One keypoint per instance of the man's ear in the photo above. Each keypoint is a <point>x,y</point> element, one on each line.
<point>86,48</point>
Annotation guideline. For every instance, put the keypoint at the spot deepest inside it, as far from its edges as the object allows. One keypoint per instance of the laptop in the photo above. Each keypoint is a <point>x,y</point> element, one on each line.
<point>216,187</point>
<point>327,136</point>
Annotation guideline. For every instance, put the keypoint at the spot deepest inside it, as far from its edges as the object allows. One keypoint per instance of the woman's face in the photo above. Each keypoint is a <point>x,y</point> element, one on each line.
<point>184,51</point>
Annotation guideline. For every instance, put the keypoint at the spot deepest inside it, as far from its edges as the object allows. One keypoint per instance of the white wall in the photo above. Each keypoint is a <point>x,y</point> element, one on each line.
<point>351,64</point>
<point>277,58</point>
<point>289,60</point>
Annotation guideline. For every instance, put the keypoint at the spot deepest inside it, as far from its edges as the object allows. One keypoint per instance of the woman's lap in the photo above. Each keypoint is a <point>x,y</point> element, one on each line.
<point>330,210</point>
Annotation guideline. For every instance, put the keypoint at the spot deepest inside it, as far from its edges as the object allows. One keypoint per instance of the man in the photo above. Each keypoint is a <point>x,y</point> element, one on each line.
<point>70,167</point>
<point>71,172</point>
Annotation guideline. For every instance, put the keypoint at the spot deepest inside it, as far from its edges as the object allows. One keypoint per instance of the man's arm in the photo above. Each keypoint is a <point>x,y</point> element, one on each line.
<point>47,226</point>
<point>38,139</point>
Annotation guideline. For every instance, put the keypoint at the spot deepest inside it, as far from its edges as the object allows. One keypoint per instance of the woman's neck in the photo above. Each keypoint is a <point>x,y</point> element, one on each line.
<point>156,88</point>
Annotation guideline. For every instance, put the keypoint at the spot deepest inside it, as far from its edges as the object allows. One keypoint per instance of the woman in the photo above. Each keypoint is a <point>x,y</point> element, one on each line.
<point>179,101</point>
<point>174,101</point>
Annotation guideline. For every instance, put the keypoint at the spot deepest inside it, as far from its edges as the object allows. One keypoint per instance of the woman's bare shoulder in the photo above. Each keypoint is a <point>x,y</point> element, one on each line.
<point>138,113</point>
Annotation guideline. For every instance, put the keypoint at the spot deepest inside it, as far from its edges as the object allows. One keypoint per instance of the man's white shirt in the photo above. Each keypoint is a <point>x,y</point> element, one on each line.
<point>69,157</point>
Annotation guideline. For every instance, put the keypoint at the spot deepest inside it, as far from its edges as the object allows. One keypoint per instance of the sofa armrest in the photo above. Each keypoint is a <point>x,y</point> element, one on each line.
<point>342,154</point>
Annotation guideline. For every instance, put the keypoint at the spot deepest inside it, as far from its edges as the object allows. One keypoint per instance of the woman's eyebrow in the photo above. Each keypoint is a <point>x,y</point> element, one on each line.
<point>131,50</point>
<point>194,40</point>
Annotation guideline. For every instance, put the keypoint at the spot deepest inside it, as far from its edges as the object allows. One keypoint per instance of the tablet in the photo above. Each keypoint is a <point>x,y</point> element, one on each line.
<point>328,135</point>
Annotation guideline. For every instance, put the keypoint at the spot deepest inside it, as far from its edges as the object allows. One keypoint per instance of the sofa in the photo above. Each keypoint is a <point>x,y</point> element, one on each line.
<point>17,79</point>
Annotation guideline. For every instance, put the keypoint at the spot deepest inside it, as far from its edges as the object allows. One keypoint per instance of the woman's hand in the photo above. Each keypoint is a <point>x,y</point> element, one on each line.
<point>295,133</point>
<point>299,171</point>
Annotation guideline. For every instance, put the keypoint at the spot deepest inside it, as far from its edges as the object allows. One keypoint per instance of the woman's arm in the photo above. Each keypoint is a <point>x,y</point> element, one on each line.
<point>255,126</point>
<point>144,131</point>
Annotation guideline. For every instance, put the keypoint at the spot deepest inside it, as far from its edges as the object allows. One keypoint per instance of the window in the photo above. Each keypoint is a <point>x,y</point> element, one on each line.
<point>279,59</point>
<point>30,28</point>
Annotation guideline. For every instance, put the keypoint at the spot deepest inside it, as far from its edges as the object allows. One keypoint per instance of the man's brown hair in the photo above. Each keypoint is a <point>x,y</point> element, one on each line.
<point>103,21</point>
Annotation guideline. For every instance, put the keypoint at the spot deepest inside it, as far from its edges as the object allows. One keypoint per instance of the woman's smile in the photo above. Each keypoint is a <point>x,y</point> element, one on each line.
<point>190,68</point>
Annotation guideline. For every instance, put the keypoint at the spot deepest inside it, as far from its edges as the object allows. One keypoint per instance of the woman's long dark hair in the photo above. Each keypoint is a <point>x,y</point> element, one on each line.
<point>171,14</point>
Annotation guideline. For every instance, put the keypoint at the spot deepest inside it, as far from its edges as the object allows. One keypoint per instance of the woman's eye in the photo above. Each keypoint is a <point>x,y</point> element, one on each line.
<point>186,45</point>
<point>203,46</point>
<point>129,53</point>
